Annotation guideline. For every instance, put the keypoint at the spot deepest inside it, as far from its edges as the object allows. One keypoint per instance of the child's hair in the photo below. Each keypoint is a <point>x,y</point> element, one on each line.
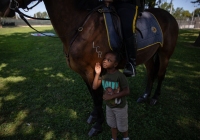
<point>116,54</point>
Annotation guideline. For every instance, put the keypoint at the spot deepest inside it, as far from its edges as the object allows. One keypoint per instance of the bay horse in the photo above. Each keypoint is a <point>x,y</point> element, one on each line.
<point>91,43</point>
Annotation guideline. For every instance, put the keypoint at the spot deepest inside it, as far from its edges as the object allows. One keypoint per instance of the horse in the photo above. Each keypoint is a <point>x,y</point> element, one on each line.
<point>85,43</point>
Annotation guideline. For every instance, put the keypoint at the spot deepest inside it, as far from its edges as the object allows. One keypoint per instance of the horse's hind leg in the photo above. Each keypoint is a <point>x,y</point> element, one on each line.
<point>164,60</point>
<point>151,74</point>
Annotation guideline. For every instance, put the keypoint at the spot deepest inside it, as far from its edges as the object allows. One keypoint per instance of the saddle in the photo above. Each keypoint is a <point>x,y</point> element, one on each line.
<point>148,30</point>
<point>113,28</point>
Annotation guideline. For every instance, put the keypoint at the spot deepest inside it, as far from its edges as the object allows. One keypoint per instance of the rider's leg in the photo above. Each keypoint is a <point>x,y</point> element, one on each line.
<point>131,48</point>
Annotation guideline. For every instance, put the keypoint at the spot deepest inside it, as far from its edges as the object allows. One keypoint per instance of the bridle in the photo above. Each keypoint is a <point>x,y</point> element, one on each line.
<point>14,5</point>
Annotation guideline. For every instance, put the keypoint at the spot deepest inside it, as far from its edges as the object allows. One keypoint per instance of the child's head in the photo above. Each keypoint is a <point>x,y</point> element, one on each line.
<point>111,60</point>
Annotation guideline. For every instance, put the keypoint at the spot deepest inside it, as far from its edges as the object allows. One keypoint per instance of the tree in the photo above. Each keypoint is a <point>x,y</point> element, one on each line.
<point>166,6</point>
<point>197,12</point>
<point>178,12</point>
<point>45,15</point>
<point>196,1</point>
<point>41,15</point>
<point>197,42</point>
<point>151,3</point>
<point>0,23</point>
<point>186,14</point>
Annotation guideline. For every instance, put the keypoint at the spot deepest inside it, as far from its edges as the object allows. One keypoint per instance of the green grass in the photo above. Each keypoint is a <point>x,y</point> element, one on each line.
<point>42,99</point>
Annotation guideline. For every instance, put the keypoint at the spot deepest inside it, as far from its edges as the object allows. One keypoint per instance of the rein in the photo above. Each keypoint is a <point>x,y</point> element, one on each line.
<point>80,29</point>
<point>14,5</point>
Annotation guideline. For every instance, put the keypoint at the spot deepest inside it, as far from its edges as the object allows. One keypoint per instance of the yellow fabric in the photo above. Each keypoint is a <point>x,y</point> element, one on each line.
<point>107,31</point>
<point>134,19</point>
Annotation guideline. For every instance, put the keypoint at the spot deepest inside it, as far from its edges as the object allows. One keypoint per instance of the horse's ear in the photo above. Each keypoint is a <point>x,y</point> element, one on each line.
<point>87,4</point>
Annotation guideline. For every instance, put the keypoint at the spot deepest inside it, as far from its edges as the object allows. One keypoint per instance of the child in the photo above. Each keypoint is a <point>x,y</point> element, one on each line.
<point>115,87</point>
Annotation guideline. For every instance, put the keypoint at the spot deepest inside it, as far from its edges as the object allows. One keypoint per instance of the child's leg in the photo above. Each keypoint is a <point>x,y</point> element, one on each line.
<point>114,133</point>
<point>125,134</point>
<point>110,118</point>
<point>122,120</point>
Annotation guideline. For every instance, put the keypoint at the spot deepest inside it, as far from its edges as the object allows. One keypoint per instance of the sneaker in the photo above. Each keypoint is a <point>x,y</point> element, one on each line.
<point>126,138</point>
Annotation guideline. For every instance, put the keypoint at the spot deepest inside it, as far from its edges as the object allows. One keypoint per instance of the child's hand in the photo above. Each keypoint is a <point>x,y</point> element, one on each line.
<point>98,68</point>
<point>107,97</point>
<point>108,90</point>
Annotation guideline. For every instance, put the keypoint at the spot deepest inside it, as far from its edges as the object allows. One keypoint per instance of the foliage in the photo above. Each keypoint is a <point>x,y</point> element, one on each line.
<point>196,1</point>
<point>166,6</point>
<point>179,13</point>
<point>197,12</point>
<point>151,3</point>
<point>41,98</point>
<point>41,15</point>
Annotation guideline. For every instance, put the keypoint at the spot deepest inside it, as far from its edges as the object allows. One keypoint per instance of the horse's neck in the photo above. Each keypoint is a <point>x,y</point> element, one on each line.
<point>65,18</point>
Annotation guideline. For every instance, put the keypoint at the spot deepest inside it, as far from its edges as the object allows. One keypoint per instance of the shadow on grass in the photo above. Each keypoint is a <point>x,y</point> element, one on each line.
<point>41,98</point>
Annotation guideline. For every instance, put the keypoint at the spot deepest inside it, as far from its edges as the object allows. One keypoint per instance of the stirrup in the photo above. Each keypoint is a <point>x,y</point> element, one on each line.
<point>130,72</point>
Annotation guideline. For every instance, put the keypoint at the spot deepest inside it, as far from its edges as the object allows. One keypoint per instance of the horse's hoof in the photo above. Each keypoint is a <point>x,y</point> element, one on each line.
<point>91,119</point>
<point>153,101</point>
<point>142,98</point>
<point>93,132</point>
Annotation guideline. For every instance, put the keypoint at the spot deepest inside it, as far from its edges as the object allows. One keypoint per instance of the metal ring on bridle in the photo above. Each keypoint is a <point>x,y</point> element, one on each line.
<point>100,10</point>
<point>16,4</point>
<point>80,29</point>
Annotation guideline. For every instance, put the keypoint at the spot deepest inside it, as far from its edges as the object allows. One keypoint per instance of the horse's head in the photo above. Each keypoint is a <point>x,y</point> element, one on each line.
<point>7,7</point>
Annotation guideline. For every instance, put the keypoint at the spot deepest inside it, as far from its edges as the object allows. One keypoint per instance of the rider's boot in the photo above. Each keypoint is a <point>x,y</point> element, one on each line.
<point>131,48</point>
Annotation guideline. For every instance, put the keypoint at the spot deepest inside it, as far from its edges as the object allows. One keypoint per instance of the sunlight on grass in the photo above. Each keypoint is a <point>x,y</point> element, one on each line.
<point>73,114</point>
<point>13,79</point>
<point>188,34</point>
<point>12,127</point>
<point>188,65</point>
<point>60,75</point>
<point>10,97</point>
<point>45,69</point>
<point>42,98</point>
<point>27,128</point>
<point>48,110</point>
<point>186,122</point>
<point>49,135</point>
<point>2,66</point>
<point>10,79</point>
<point>176,61</point>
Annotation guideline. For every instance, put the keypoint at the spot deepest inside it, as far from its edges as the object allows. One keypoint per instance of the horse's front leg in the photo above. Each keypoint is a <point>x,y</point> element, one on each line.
<point>97,115</point>
<point>151,73</point>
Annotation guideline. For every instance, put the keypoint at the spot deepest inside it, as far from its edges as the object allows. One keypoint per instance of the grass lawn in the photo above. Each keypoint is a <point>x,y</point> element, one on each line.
<point>42,99</point>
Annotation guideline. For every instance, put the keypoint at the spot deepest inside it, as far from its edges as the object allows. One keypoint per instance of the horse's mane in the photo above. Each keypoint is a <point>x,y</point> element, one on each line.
<point>87,4</point>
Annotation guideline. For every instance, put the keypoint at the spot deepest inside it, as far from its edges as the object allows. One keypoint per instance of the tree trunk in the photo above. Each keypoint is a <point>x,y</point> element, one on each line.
<point>197,42</point>
<point>0,23</point>
<point>151,3</point>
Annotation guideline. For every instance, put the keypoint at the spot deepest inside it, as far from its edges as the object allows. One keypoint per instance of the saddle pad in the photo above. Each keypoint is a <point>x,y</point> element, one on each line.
<point>150,30</point>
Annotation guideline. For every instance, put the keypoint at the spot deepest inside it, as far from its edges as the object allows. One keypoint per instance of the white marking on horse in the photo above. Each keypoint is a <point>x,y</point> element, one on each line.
<point>98,52</point>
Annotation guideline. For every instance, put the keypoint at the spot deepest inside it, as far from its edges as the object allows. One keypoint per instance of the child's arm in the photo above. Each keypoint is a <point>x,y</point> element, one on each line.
<point>122,93</point>
<point>97,81</point>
